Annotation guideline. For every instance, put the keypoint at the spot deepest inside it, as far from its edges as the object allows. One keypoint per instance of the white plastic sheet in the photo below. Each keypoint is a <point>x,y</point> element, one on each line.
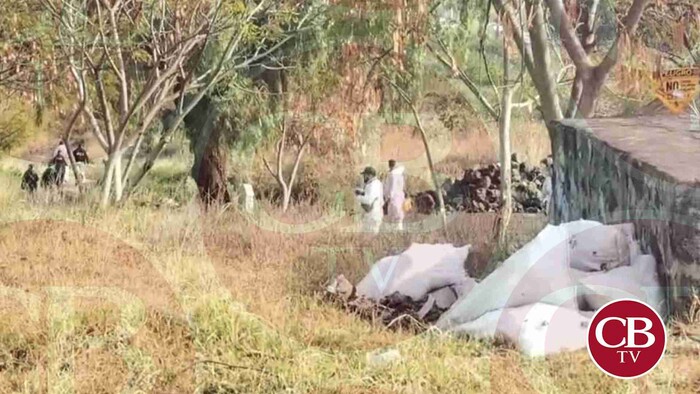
<point>599,248</point>
<point>536,330</point>
<point>640,281</point>
<point>538,272</point>
<point>417,271</point>
<point>531,300</point>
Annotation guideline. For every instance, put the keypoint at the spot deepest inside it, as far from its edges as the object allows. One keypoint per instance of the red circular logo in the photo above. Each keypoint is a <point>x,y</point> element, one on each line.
<point>626,339</point>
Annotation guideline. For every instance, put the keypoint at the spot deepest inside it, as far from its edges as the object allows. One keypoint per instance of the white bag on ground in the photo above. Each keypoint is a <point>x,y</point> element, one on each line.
<point>536,330</point>
<point>415,272</point>
<point>600,248</point>
<point>640,281</point>
<point>538,272</point>
<point>446,296</point>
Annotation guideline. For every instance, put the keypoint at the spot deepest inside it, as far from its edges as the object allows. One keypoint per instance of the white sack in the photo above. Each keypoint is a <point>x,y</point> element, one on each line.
<point>445,297</point>
<point>442,298</point>
<point>416,271</point>
<point>536,330</point>
<point>538,272</point>
<point>640,281</point>
<point>600,248</point>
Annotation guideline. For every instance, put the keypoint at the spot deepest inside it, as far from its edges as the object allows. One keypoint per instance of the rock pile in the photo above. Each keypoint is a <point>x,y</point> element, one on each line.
<point>479,190</point>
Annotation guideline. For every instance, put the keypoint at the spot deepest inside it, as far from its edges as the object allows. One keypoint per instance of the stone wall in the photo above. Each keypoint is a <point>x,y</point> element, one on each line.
<point>645,170</point>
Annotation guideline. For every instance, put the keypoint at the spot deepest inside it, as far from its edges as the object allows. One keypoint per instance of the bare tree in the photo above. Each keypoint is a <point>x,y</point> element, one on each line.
<point>426,145</point>
<point>151,54</point>
<point>589,76</point>
<point>509,88</point>
<point>286,183</point>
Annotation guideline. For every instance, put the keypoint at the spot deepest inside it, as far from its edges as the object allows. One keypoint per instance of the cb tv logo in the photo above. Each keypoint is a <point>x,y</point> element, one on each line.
<point>626,339</point>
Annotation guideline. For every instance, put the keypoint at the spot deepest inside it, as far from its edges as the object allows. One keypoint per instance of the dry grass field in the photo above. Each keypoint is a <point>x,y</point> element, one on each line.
<point>140,299</point>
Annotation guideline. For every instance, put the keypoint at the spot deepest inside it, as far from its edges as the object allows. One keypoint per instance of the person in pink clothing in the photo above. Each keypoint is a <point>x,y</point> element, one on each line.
<point>394,195</point>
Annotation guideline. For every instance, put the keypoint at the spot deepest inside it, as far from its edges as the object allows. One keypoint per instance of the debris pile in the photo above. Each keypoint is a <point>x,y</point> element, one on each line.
<point>412,289</point>
<point>540,299</point>
<point>396,311</point>
<point>479,190</point>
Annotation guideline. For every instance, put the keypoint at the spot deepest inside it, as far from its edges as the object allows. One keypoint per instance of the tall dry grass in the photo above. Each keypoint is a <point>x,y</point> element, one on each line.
<point>139,299</point>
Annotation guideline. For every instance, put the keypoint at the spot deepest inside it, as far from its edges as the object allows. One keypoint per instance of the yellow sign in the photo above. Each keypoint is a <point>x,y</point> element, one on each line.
<point>677,88</point>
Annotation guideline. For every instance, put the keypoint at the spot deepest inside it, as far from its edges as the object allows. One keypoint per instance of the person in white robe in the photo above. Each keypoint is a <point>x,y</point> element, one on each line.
<point>394,195</point>
<point>371,198</point>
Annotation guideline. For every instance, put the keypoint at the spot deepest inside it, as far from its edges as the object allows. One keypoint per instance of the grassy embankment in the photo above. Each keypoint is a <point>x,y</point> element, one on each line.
<point>140,299</point>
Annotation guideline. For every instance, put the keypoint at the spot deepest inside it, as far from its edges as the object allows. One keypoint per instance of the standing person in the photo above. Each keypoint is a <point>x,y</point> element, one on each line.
<point>371,197</point>
<point>394,194</point>
<point>61,150</point>
<point>80,154</point>
<point>30,180</point>
<point>81,160</point>
<point>59,160</point>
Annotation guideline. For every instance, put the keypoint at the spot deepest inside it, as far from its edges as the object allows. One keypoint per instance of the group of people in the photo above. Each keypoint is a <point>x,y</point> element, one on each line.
<point>379,199</point>
<point>55,173</point>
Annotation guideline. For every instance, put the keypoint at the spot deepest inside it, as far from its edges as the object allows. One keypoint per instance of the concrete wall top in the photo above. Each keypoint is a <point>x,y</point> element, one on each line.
<point>661,144</point>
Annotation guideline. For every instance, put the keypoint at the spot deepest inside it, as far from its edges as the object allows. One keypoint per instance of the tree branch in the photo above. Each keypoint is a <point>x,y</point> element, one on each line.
<point>525,51</point>
<point>629,26</point>
<point>542,74</point>
<point>569,39</point>
<point>267,166</point>
<point>452,66</point>
<point>121,72</point>
<point>104,104</point>
<point>297,160</point>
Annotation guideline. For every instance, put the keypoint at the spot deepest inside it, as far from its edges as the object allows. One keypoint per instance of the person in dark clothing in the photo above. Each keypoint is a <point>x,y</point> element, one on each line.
<point>48,178</point>
<point>30,180</point>
<point>59,163</point>
<point>81,160</point>
<point>80,154</point>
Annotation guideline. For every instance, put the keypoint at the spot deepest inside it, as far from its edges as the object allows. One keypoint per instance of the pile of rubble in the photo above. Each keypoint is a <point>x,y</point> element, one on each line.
<point>396,293</point>
<point>479,190</point>
<point>396,311</point>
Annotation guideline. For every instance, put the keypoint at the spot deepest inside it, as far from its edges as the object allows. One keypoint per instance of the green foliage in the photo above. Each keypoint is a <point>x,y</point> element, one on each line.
<point>242,100</point>
<point>464,32</point>
<point>16,123</point>
<point>28,57</point>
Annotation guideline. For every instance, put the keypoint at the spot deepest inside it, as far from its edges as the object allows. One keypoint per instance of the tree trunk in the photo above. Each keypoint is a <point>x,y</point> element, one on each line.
<point>591,92</point>
<point>211,175</point>
<point>576,91</point>
<point>108,180</point>
<point>584,92</point>
<point>431,166</point>
<point>118,185</point>
<point>504,137</point>
<point>209,168</point>
<point>286,198</point>
<point>542,74</point>
<point>67,136</point>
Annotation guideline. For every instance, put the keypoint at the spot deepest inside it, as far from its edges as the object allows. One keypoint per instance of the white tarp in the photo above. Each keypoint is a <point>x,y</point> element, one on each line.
<point>538,272</point>
<point>533,299</point>
<point>417,271</point>
<point>640,281</point>
<point>599,248</point>
<point>535,330</point>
